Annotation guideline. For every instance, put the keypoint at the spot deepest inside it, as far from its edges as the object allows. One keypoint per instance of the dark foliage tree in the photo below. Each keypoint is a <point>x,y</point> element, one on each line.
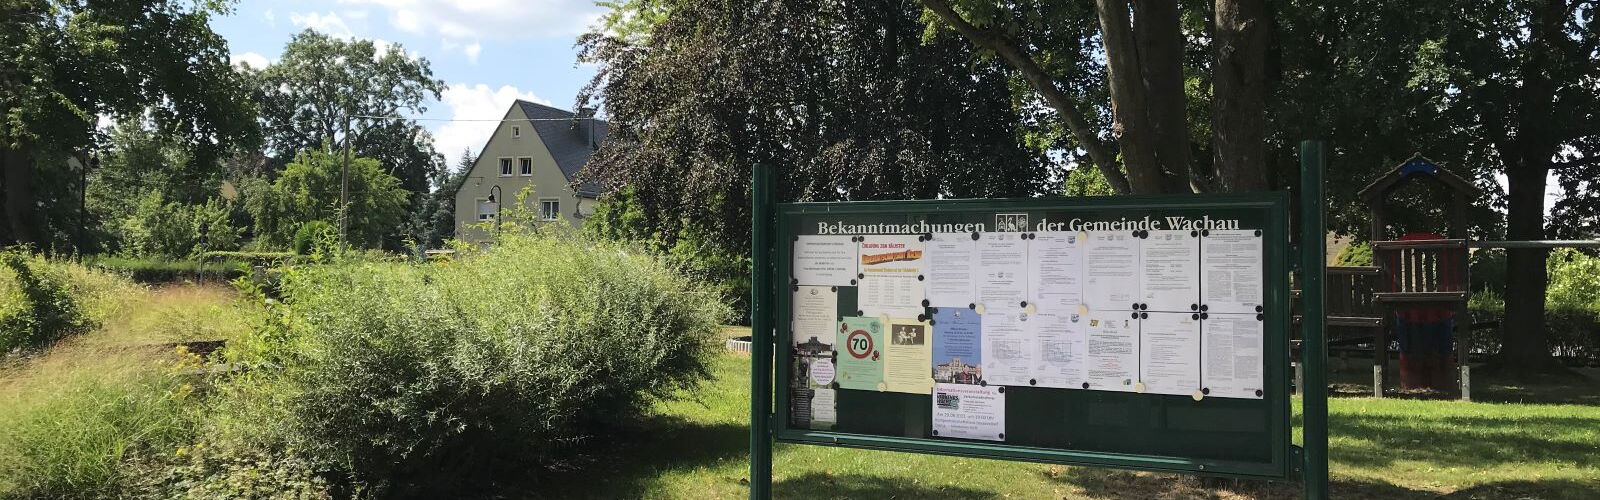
<point>67,63</point>
<point>846,100</point>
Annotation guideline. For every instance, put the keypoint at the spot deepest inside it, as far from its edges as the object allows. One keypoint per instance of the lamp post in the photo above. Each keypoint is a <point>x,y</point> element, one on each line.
<point>494,192</point>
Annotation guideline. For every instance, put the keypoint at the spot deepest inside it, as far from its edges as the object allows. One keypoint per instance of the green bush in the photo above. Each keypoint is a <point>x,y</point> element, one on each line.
<point>170,229</point>
<point>1354,254</point>
<point>445,374</point>
<point>157,270</point>
<point>41,306</point>
<point>311,236</point>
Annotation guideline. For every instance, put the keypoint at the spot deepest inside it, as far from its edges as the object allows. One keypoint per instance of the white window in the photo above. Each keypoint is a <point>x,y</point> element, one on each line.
<point>526,164</point>
<point>549,209</point>
<point>505,167</point>
<point>487,209</point>
<point>516,131</point>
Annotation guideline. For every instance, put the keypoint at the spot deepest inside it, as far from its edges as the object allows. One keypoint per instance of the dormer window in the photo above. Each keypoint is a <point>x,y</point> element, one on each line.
<point>516,131</point>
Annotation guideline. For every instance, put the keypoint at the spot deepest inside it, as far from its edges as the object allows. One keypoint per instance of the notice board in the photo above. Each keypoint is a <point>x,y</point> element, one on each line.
<point>1144,332</point>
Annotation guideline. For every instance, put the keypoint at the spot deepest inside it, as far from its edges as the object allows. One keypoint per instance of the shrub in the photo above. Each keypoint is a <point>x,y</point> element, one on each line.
<point>43,302</point>
<point>311,236</point>
<point>156,270</point>
<point>498,361</point>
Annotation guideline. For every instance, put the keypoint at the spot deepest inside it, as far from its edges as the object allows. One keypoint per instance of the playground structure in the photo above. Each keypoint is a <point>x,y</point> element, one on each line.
<point>1415,295</point>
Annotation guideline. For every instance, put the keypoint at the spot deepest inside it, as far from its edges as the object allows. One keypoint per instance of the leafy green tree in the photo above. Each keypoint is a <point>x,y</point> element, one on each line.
<point>435,221</point>
<point>308,190</point>
<point>335,93</point>
<point>67,63</point>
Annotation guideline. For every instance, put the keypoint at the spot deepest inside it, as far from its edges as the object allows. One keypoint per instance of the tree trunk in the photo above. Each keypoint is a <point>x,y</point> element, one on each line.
<point>1239,95</point>
<point>21,210</point>
<point>1144,62</point>
<point>1065,105</point>
<point>1525,347</point>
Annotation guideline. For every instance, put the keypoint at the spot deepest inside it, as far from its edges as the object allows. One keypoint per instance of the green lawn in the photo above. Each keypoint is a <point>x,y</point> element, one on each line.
<point>1380,449</point>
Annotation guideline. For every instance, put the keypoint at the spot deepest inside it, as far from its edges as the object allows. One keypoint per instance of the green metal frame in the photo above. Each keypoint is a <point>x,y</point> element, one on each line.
<point>772,229</point>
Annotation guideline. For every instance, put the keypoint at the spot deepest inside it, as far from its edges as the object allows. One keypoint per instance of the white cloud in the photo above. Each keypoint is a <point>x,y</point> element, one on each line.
<point>250,59</point>
<point>472,51</point>
<point>490,19</point>
<point>328,24</point>
<point>474,102</point>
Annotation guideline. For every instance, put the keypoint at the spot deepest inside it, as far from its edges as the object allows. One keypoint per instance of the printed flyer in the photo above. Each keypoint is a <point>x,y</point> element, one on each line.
<point>824,260</point>
<point>859,365</point>
<point>891,276</point>
<point>969,412</point>
<point>957,346</point>
<point>907,356</point>
<point>816,313</point>
<point>949,270</point>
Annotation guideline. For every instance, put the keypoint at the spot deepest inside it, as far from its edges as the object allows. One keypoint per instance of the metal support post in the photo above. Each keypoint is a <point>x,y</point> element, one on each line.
<point>1314,350</point>
<point>761,224</point>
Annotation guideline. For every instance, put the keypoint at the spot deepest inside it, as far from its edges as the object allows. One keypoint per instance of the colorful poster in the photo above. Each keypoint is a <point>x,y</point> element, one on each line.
<point>859,365</point>
<point>1169,353</point>
<point>949,270</point>
<point>1061,349</point>
<point>1232,363</point>
<point>1111,271</point>
<point>1008,348</point>
<point>969,412</point>
<point>891,276</point>
<point>1230,268</point>
<point>812,373</point>
<point>906,357</point>
<point>815,314</point>
<point>1055,272</point>
<point>957,346</point>
<point>824,260</point>
<point>1169,264</point>
<point>1112,360</point>
<point>1001,271</point>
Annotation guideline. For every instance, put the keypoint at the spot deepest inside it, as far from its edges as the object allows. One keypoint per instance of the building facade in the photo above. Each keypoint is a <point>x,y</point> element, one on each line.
<point>538,146</point>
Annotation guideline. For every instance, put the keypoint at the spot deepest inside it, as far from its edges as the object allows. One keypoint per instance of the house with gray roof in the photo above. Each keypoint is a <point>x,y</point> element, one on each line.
<point>534,145</point>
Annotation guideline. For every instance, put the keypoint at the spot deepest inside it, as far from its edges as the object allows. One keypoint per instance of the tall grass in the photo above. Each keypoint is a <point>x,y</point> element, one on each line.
<point>43,301</point>
<point>71,423</point>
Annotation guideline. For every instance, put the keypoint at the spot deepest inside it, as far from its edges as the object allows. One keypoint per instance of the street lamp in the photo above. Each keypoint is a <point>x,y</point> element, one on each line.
<point>494,192</point>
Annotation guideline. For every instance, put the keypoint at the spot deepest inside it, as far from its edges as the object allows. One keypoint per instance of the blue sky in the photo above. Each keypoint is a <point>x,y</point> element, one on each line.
<point>488,52</point>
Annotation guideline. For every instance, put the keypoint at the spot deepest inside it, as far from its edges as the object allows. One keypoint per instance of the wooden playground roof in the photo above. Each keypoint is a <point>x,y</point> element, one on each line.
<point>1414,167</point>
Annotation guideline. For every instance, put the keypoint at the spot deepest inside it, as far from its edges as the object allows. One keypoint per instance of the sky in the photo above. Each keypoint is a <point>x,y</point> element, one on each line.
<point>488,52</point>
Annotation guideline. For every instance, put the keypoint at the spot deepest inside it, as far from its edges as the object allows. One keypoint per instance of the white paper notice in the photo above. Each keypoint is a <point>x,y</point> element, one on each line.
<point>1111,271</point>
<point>1232,362</point>
<point>816,311</point>
<point>1002,268</point>
<point>1169,353</point>
<point>949,270</point>
<point>824,260</point>
<point>1230,268</point>
<point>1170,265</point>
<point>824,414</point>
<point>1061,349</point>
<point>891,276</point>
<point>1112,361</point>
<point>1055,272</point>
<point>969,412</point>
<point>1008,348</point>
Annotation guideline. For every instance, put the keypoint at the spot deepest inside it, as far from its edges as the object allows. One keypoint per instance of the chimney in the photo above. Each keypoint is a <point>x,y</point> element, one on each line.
<point>586,117</point>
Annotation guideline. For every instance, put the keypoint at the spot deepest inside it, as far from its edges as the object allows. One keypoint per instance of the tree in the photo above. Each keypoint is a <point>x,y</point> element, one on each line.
<point>1143,48</point>
<point>435,222</point>
<point>67,63</point>
<point>329,92</point>
<point>845,99</point>
<point>308,190</point>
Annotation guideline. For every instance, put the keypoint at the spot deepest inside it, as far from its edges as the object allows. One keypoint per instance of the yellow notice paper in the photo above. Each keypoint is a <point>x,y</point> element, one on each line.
<point>907,357</point>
